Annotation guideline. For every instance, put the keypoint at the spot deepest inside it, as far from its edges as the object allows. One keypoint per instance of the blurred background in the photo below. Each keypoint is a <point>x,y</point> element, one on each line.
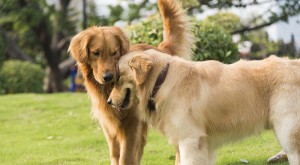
<point>35,34</point>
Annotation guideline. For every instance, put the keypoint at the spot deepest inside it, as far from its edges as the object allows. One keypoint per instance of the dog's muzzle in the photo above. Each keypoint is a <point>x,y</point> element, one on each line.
<point>107,77</point>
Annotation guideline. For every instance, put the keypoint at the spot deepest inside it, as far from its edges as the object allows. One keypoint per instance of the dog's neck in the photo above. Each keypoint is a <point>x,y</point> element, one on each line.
<point>159,81</point>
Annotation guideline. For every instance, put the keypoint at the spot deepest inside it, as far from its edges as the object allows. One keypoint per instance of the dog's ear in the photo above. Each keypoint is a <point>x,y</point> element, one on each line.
<point>140,67</point>
<point>79,46</point>
<point>123,39</point>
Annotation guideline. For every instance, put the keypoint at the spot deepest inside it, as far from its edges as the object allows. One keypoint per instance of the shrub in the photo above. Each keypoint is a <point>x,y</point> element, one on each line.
<point>149,31</point>
<point>213,42</point>
<point>20,77</point>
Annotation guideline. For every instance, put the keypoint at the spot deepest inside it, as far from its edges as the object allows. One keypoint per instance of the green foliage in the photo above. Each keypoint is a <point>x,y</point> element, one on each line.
<point>149,31</point>
<point>132,13</point>
<point>280,10</point>
<point>288,49</point>
<point>214,43</point>
<point>229,21</point>
<point>116,13</point>
<point>23,21</point>
<point>261,44</point>
<point>190,3</point>
<point>20,77</point>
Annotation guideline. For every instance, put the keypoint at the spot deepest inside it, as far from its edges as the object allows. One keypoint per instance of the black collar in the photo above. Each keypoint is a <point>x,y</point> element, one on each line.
<point>159,81</point>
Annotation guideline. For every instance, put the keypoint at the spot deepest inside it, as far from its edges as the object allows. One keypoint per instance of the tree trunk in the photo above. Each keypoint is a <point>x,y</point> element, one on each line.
<point>53,81</point>
<point>55,71</point>
<point>84,15</point>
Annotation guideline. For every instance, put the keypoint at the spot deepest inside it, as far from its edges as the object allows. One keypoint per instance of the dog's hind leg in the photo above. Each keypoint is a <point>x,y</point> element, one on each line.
<point>288,135</point>
<point>295,140</point>
<point>285,117</point>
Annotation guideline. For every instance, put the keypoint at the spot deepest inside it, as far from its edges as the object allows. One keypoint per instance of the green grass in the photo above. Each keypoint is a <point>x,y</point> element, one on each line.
<point>57,129</point>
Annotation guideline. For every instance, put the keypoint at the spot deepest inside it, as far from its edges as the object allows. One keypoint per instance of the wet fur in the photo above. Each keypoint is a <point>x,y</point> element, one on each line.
<point>97,51</point>
<point>203,105</point>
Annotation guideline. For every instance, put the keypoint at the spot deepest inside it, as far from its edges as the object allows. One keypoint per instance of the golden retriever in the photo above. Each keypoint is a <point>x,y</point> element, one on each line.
<point>199,106</point>
<point>97,51</point>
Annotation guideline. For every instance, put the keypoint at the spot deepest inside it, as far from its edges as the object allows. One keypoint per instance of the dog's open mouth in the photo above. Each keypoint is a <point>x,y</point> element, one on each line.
<point>126,100</point>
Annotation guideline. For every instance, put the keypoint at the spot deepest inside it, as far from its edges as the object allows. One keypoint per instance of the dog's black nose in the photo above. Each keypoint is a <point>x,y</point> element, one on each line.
<point>109,101</point>
<point>107,77</point>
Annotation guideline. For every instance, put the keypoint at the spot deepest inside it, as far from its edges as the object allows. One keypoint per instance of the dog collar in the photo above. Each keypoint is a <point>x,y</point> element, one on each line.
<point>159,81</point>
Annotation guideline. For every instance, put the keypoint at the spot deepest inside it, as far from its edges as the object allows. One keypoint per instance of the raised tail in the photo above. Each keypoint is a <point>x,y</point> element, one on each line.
<point>178,38</point>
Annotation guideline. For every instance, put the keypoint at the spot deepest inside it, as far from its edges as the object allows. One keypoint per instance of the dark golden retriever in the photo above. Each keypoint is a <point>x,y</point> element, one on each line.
<point>97,51</point>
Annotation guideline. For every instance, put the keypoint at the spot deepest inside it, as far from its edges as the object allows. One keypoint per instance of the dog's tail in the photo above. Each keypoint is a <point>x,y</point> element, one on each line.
<point>178,38</point>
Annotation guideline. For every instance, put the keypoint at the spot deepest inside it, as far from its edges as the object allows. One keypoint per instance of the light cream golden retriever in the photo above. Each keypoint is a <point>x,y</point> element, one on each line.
<point>97,51</point>
<point>199,106</point>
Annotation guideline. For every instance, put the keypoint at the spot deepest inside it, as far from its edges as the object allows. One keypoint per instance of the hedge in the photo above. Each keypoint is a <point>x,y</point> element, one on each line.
<point>21,77</point>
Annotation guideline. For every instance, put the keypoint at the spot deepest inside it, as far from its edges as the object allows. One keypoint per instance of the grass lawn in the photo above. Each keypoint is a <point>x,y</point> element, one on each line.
<point>57,129</point>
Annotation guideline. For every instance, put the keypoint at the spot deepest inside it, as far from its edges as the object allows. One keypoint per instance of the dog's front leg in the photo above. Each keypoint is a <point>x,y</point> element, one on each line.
<point>193,151</point>
<point>114,148</point>
<point>133,143</point>
<point>143,139</point>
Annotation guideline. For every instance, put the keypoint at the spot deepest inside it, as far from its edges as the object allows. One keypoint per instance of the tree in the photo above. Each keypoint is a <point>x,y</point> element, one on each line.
<point>33,30</point>
<point>93,18</point>
<point>229,21</point>
<point>38,32</point>
<point>288,49</point>
<point>261,45</point>
<point>292,47</point>
<point>280,10</point>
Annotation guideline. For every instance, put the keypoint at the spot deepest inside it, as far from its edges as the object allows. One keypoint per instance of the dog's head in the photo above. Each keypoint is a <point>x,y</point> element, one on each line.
<point>100,48</point>
<point>133,73</point>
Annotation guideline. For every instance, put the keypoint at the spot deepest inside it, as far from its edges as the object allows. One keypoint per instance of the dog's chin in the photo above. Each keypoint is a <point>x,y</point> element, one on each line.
<point>126,101</point>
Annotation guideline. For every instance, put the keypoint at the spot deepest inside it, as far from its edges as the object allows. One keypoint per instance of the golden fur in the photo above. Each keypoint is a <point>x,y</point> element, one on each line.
<point>97,51</point>
<point>202,105</point>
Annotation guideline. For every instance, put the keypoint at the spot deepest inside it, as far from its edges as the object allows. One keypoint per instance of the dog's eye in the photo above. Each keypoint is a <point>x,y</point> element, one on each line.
<point>114,53</point>
<point>97,53</point>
